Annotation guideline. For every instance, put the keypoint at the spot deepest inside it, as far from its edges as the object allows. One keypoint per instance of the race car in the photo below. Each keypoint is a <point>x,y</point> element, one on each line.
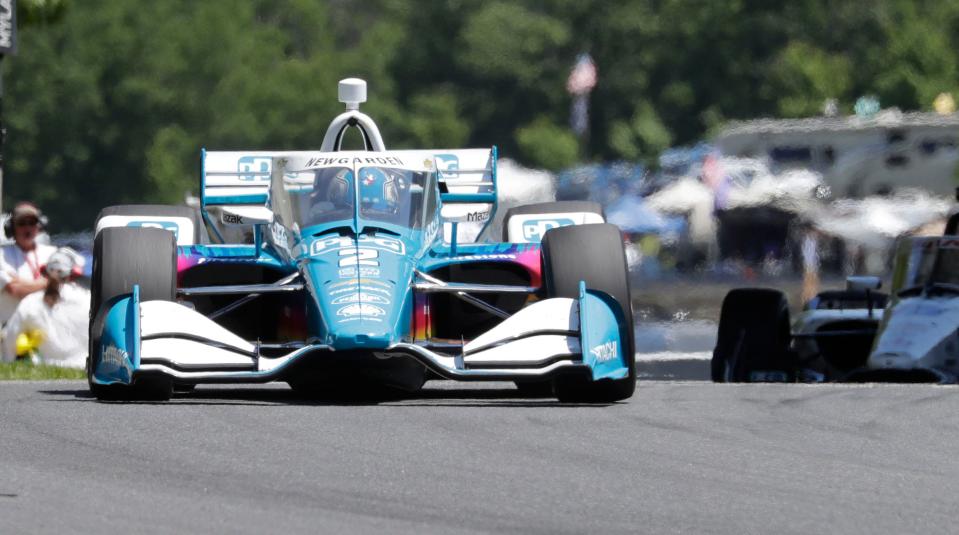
<point>356,279</point>
<point>859,335</point>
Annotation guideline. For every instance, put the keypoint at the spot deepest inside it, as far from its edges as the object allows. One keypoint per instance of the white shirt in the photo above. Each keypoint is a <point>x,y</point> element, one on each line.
<point>15,263</point>
<point>63,327</point>
<point>810,254</point>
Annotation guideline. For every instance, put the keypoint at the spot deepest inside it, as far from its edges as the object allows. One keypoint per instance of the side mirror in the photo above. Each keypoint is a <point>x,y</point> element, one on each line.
<point>246,215</point>
<point>863,283</point>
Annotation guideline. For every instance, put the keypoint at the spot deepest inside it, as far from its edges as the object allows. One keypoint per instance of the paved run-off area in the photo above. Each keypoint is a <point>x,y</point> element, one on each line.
<point>676,458</point>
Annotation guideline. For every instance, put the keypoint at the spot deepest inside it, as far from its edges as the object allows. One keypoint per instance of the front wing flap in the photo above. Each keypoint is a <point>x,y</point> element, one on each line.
<point>544,338</point>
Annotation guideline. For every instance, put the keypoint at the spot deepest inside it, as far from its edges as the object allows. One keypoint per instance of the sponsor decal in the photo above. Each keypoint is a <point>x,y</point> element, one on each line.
<point>447,162</point>
<point>336,243</point>
<point>361,256</point>
<point>114,355</point>
<point>231,219</point>
<point>352,284</point>
<point>383,291</point>
<point>373,160</point>
<point>484,257</point>
<point>360,309</point>
<point>280,237</point>
<point>477,216</point>
<point>248,166</point>
<point>605,351</point>
<point>361,298</point>
<point>431,230</point>
<point>351,272</point>
<point>341,290</point>
<point>376,282</point>
<point>278,232</point>
<point>165,225</point>
<point>534,229</point>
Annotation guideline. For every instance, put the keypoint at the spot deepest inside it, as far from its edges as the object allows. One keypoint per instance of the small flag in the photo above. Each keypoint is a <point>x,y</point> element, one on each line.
<point>582,79</point>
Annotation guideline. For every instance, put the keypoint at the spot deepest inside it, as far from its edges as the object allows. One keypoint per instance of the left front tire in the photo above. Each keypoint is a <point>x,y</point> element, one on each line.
<point>123,257</point>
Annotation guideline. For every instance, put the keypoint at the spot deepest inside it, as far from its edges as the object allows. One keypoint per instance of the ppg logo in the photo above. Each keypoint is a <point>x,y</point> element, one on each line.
<point>534,229</point>
<point>165,225</point>
<point>253,164</point>
<point>447,162</point>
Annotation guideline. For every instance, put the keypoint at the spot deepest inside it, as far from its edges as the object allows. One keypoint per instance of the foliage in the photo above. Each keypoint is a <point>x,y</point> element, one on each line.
<point>40,11</point>
<point>547,145</point>
<point>23,370</point>
<point>109,101</point>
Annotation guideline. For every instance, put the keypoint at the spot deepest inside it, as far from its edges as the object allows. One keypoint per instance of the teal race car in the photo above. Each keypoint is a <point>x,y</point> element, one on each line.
<point>358,271</point>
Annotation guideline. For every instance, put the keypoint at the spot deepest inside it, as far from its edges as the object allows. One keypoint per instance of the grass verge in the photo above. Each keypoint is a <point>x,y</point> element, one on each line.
<point>22,370</point>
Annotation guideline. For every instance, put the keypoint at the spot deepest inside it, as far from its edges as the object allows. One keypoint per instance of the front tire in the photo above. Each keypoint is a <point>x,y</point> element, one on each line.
<point>123,257</point>
<point>753,339</point>
<point>592,253</point>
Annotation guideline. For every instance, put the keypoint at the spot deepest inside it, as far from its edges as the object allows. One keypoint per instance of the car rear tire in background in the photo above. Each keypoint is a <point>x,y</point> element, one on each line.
<point>123,257</point>
<point>754,338</point>
<point>160,212</point>
<point>592,253</point>
<point>555,207</point>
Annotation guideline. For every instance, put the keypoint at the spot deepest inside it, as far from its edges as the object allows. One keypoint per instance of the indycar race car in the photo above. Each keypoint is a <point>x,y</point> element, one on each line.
<point>858,334</point>
<point>355,279</point>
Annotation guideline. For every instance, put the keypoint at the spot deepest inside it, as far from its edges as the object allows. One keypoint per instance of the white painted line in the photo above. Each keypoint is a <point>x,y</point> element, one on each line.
<point>668,356</point>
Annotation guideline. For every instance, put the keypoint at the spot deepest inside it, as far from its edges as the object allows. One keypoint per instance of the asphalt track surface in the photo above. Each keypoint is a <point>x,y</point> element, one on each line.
<point>461,458</point>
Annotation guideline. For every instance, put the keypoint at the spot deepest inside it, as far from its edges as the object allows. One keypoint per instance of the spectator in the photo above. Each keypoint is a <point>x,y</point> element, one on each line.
<point>50,327</point>
<point>811,264</point>
<point>21,260</point>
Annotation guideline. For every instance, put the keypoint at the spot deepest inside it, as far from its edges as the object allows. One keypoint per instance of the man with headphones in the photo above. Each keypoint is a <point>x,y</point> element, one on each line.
<point>21,261</point>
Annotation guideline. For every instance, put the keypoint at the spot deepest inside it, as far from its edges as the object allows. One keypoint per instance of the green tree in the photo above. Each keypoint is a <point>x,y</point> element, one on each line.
<point>547,145</point>
<point>109,101</point>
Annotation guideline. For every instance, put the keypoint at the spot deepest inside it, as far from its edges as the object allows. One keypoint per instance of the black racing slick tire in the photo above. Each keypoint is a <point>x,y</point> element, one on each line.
<point>161,211</point>
<point>592,253</point>
<point>545,388</point>
<point>556,207</point>
<point>754,338</point>
<point>123,257</point>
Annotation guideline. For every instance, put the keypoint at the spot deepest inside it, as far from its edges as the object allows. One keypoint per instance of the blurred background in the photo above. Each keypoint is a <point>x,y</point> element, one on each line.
<point>733,142</point>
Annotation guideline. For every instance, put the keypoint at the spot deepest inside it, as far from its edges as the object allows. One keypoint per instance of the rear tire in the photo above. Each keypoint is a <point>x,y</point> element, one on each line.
<point>592,253</point>
<point>161,211</point>
<point>556,207</point>
<point>122,257</point>
<point>754,336</point>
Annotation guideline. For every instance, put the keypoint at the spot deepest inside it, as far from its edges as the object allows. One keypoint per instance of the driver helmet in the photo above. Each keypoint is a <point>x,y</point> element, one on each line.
<point>378,191</point>
<point>334,189</point>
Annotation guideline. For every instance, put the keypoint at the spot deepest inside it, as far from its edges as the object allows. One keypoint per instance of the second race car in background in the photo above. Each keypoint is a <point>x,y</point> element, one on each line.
<point>911,335</point>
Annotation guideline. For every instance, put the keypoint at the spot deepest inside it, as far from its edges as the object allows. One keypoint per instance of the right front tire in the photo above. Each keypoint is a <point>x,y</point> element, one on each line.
<point>123,257</point>
<point>592,253</point>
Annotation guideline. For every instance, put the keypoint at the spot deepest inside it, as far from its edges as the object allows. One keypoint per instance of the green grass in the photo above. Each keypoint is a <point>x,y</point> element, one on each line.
<point>22,370</point>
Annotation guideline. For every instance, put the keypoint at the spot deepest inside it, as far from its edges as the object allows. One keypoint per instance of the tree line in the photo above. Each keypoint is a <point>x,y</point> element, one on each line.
<point>110,101</point>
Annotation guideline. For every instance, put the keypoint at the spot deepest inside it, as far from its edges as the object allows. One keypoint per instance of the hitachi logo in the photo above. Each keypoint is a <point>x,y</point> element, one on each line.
<point>114,355</point>
<point>605,352</point>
